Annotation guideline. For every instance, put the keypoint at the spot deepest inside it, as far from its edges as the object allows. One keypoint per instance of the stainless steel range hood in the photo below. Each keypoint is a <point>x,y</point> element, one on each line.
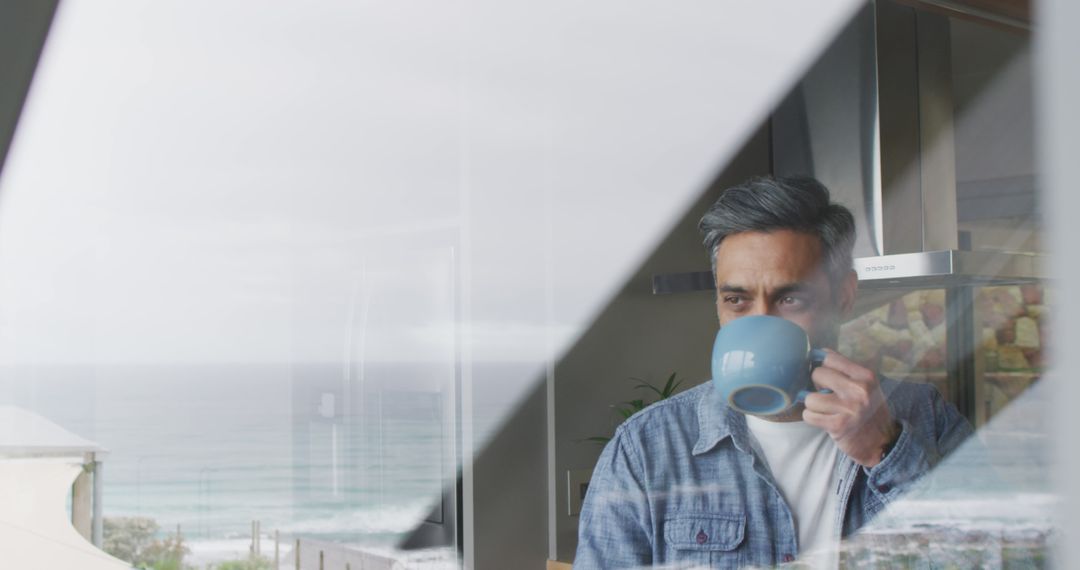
<point>878,119</point>
<point>974,158</point>
<point>947,268</point>
<point>882,131</point>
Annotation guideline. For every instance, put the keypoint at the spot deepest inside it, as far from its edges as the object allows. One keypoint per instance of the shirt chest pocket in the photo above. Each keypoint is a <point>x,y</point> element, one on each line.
<point>704,539</point>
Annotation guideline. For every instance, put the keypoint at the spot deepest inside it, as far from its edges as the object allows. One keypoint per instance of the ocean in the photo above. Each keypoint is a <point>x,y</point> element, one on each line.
<point>210,448</point>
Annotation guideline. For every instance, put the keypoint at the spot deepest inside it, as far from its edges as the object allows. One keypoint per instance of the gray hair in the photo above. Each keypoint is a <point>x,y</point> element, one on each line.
<point>764,204</point>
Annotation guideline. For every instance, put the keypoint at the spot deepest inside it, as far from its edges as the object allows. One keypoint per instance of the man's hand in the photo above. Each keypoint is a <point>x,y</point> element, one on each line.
<point>855,414</point>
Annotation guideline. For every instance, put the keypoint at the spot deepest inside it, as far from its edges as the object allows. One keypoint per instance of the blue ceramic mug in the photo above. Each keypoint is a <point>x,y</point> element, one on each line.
<point>761,364</point>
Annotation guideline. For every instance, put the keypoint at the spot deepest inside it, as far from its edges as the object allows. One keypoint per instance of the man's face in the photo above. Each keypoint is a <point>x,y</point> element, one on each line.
<point>780,273</point>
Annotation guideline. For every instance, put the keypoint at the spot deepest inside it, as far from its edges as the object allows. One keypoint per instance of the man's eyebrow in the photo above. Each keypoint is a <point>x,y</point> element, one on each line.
<point>790,288</point>
<point>786,289</point>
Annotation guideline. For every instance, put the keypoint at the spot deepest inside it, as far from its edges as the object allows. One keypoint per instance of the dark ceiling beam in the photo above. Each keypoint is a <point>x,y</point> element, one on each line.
<point>24,24</point>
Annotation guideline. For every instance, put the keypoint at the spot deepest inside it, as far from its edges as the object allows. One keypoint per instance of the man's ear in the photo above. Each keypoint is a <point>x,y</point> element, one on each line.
<point>848,288</point>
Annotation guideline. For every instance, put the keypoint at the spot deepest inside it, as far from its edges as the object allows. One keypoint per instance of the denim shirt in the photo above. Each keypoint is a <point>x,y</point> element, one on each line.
<point>683,483</point>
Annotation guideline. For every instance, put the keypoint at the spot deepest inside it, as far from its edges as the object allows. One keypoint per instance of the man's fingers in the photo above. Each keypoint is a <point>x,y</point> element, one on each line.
<point>831,379</point>
<point>853,394</point>
<point>836,361</point>
<point>824,403</point>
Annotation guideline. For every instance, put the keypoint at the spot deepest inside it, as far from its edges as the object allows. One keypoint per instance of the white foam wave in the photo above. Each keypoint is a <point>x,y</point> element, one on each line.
<point>204,552</point>
<point>388,519</point>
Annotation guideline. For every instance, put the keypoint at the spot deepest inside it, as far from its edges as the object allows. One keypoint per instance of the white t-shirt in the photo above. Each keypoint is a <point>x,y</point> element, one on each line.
<point>803,461</point>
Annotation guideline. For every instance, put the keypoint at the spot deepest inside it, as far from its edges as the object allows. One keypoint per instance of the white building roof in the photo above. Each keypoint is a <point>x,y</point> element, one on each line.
<point>26,434</point>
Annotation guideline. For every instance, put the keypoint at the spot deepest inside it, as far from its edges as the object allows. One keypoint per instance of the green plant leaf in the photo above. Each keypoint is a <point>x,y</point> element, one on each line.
<point>646,385</point>
<point>670,387</point>
<point>631,407</point>
<point>663,393</point>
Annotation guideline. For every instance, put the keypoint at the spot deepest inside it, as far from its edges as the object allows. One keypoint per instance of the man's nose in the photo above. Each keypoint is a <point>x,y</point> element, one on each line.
<point>761,307</point>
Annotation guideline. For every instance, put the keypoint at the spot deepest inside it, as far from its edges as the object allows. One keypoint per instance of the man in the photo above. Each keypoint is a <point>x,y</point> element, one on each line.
<point>689,482</point>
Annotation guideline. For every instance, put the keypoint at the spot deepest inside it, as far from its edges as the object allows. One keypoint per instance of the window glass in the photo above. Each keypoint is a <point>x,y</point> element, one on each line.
<point>356,282</point>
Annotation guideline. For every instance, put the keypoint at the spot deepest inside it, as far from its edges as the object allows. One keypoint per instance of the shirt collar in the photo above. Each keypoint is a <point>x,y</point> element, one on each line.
<point>717,421</point>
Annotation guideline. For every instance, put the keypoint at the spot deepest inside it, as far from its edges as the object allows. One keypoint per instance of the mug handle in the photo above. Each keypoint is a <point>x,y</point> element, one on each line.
<point>817,358</point>
<point>801,397</point>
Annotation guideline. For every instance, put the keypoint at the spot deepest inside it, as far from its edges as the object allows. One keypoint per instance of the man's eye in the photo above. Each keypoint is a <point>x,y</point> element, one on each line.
<point>731,300</point>
<point>791,301</point>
